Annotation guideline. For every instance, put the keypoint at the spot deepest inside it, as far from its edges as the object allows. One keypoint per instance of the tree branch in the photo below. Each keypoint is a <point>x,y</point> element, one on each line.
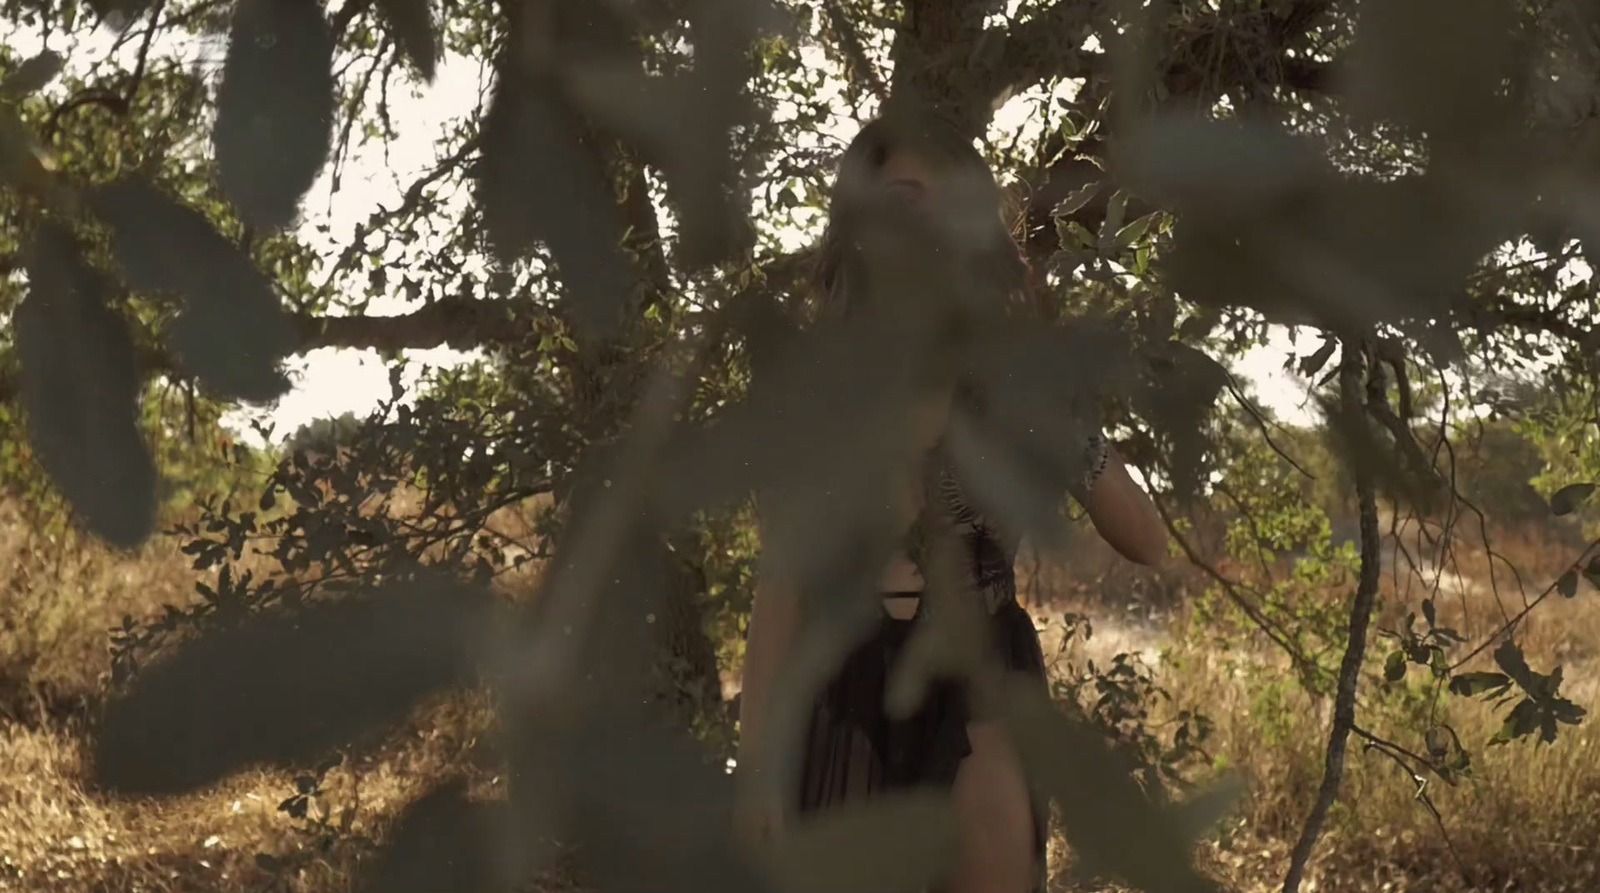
<point>1049,45</point>
<point>347,14</point>
<point>1344,702</point>
<point>461,324</point>
<point>938,51</point>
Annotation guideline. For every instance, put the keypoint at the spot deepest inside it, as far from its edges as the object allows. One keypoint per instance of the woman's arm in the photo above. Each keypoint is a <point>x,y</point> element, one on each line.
<point>773,618</point>
<point>1123,514</point>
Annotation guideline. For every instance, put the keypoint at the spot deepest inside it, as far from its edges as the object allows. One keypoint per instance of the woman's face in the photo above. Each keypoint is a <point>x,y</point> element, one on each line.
<point>955,201</point>
<point>909,177</point>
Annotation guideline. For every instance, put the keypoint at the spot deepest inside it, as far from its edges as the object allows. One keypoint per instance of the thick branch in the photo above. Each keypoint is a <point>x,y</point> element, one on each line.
<point>461,324</point>
<point>1051,45</point>
<point>937,53</point>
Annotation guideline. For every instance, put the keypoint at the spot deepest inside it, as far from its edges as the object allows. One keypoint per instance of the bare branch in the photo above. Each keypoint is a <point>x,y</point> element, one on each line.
<point>1344,704</point>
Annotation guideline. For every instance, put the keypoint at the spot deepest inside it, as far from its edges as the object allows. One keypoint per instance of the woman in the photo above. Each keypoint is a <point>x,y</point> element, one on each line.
<point>917,163</point>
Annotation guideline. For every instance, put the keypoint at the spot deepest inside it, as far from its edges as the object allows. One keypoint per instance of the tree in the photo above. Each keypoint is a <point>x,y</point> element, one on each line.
<point>1198,170</point>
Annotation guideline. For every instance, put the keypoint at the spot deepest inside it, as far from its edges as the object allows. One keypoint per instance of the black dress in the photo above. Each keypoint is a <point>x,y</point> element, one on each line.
<point>853,750</point>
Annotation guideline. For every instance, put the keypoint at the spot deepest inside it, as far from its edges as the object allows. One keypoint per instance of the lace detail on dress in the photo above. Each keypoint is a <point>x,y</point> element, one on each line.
<point>988,551</point>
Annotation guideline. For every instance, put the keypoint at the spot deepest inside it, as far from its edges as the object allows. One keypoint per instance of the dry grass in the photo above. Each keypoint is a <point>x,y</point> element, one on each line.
<point>55,835</point>
<point>1527,821</point>
<point>62,597</point>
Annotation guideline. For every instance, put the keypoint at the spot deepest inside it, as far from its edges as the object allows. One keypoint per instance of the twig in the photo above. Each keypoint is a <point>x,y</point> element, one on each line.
<point>1233,388</point>
<point>1511,625</point>
<point>1344,704</point>
<point>112,101</point>
<point>1399,755</point>
<point>144,54</point>
<point>408,203</point>
<point>1229,588</point>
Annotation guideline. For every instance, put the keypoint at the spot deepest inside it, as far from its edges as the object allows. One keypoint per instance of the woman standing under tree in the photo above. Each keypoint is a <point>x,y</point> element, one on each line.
<point>915,162</point>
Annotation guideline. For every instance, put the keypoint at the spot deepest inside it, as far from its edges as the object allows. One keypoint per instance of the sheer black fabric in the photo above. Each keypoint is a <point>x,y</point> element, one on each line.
<point>853,750</point>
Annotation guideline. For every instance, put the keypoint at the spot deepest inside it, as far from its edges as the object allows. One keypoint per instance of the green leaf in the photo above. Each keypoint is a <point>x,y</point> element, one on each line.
<point>1134,231</point>
<point>1081,233</point>
<point>1198,326</point>
<point>1568,584</point>
<point>275,108</point>
<point>1568,498</point>
<point>1438,662</point>
<point>1510,659</point>
<point>1522,721</point>
<point>411,23</point>
<point>1567,712</point>
<point>80,386</point>
<point>233,331</point>
<point>1075,200</point>
<point>1394,667</point>
<point>1116,211</point>
<point>1313,364</point>
<point>1474,684</point>
<point>1428,612</point>
<point>898,841</point>
<point>1592,571</point>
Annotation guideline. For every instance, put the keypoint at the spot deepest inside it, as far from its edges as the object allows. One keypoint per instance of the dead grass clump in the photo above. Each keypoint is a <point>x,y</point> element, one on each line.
<point>63,594</point>
<point>58,837</point>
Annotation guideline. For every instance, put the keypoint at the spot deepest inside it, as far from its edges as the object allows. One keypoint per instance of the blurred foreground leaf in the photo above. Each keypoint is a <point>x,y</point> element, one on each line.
<point>1568,498</point>
<point>31,76</point>
<point>232,332</point>
<point>642,804</point>
<point>536,184</point>
<point>1113,828</point>
<point>412,26</point>
<point>80,386</point>
<point>684,122</point>
<point>444,842</point>
<point>286,687</point>
<point>275,108</point>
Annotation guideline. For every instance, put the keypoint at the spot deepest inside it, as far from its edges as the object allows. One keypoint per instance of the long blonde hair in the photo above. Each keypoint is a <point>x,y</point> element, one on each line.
<point>926,133</point>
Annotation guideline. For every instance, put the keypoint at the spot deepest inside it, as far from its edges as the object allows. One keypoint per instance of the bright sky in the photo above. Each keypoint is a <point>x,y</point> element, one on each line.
<point>330,382</point>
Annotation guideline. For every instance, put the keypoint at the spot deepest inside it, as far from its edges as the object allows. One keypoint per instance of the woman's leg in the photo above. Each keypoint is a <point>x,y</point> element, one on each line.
<point>995,817</point>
